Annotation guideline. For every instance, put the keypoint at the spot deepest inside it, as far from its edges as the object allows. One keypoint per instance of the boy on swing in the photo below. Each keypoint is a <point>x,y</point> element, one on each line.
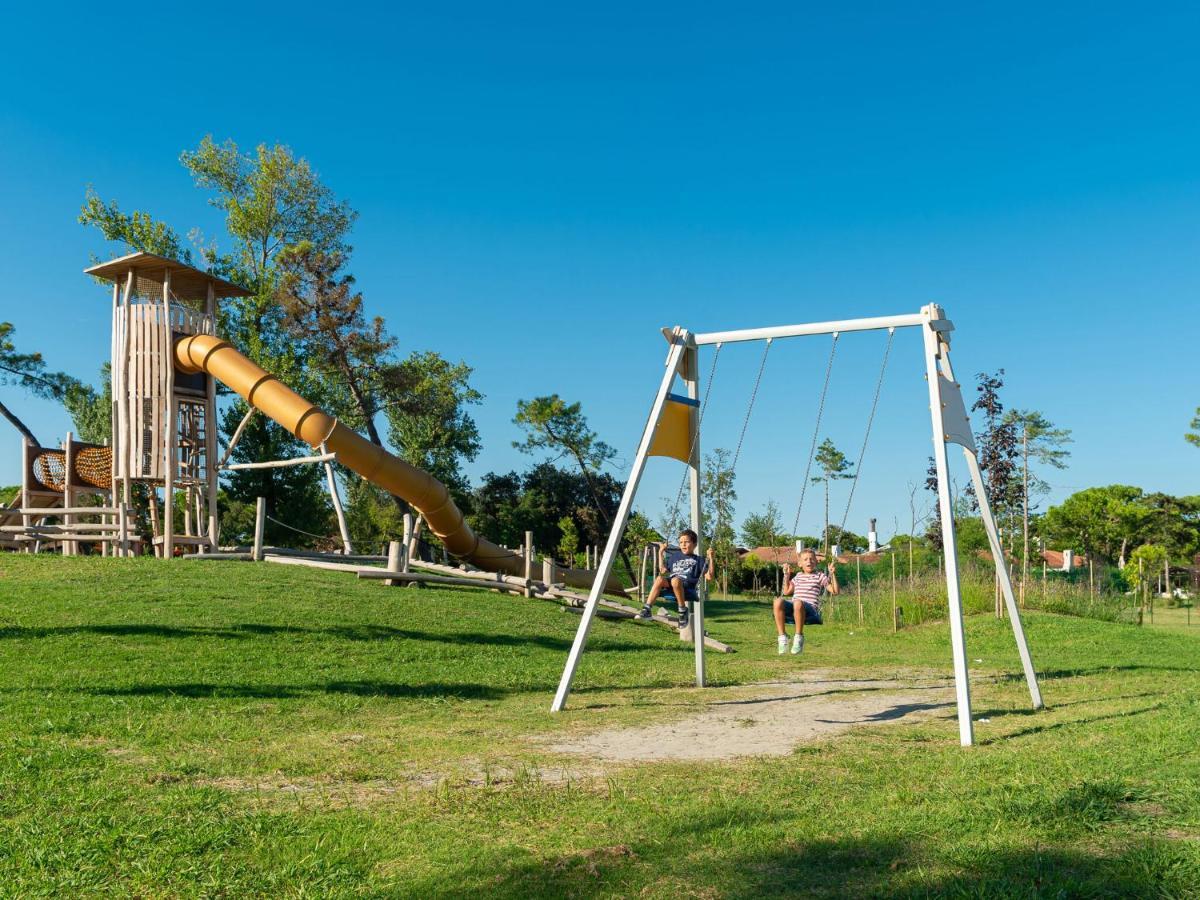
<point>804,605</point>
<point>679,572</point>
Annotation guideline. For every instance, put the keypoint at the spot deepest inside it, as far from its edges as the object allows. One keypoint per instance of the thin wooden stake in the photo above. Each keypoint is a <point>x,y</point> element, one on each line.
<point>260,523</point>
<point>527,554</point>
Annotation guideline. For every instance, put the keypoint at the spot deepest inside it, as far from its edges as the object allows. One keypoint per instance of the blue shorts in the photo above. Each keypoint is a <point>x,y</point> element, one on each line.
<point>690,594</point>
<point>812,615</point>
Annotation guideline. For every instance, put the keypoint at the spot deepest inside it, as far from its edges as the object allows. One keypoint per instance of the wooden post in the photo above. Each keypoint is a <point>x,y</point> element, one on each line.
<point>858,585</point>
<point>406,560</point>
<point>895,623</point>
<point>210,430</point>
<point>527,553</point>
<point>123,524</point>
<point>167,361</point>
<point>393,563</point>
<point>155,530</point>
<point>69,548</point>
<point>121,370</point>
<point>114,378</point>
<point>336,498</point>
<point>260,523</point>
<point>547,571</point>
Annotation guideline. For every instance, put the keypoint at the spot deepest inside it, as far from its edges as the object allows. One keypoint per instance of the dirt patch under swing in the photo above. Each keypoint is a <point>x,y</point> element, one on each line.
<point>768,719</point>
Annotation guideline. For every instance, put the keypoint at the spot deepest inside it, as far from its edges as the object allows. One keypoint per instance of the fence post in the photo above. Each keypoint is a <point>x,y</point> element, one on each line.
<point>858,585</point>
<point>393,562</point>
<point>260,522</point>
<point>894,621</point>
<point>527,552</point>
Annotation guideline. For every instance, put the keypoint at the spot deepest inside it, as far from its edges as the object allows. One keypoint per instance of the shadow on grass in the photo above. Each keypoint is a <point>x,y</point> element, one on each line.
<point>1053,674</point>
<point>199,689</point>
<point>366,632</point>
<point>847,867</point>
<point>1039,729</point>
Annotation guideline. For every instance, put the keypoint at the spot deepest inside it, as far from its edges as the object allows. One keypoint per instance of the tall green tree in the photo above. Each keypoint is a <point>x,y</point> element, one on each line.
<point>138,231</point>
<point>273,202</point>
<point>1102,521</point>
<point>719,493</point>
<point>505,506</point>
<point>555,426</point>
<point>324,313</point>
<point>1044,443</point>
<point>833,466</point>
<point>763,529</point>
<point>998,450</point>
<point>427,400</point>
<point>28,372</point>
<point>1193,436</point>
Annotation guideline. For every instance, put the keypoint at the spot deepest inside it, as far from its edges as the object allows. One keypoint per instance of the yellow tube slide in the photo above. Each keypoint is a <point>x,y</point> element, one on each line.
<point>265,392</point>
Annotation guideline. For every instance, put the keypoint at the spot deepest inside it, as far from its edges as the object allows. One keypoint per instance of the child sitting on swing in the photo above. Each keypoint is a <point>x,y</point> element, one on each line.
<point>804,605</point>
<point>679,572</point>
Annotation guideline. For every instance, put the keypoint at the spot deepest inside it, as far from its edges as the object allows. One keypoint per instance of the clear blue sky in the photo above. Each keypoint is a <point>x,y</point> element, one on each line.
<point>541,187</point>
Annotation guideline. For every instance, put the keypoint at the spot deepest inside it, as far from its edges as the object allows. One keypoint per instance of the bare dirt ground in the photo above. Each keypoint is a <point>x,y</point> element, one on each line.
<point>768,719</point>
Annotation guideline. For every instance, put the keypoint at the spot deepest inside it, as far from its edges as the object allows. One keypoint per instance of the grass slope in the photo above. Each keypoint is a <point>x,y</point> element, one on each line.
<point>189,729</point>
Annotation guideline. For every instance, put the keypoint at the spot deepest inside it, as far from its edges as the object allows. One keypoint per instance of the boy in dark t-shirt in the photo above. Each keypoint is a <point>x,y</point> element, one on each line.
<point>679,572</point>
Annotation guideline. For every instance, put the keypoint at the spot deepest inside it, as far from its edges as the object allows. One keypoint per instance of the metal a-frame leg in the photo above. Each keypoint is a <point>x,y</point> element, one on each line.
<point>680,341</point>
<point>962,684</point>
<point>1014,615</point>
<point>691,374</point>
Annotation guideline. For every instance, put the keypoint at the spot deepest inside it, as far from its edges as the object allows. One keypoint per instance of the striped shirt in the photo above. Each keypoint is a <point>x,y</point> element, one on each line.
<point>809,588</point>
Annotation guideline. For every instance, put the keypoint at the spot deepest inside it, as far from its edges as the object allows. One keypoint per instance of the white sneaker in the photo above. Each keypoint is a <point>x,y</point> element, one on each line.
<point>797,644</point>
<point>782,644</point>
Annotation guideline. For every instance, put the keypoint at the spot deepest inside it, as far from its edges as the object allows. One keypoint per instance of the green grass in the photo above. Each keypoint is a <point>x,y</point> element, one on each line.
<point>191,729</point>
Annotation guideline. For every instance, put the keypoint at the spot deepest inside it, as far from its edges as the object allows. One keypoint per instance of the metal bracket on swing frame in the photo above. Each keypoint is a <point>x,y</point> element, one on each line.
<point>950,422</point>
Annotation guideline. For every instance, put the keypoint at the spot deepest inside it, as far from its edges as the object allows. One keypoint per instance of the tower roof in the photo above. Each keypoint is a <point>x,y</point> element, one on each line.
<point>187,282</point>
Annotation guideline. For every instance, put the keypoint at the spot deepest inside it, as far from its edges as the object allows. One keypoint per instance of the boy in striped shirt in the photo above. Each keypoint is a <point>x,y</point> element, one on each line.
<point>804,605</point>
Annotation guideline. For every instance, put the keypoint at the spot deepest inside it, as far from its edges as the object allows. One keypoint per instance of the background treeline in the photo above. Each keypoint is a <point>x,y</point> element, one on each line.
<point>286,237</point>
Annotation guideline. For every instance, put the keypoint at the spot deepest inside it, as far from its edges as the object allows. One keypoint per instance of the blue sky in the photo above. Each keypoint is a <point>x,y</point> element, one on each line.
<point>541,187</point>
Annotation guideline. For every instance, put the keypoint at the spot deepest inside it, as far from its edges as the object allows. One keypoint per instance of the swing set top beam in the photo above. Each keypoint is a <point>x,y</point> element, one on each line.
<point>782,331</point>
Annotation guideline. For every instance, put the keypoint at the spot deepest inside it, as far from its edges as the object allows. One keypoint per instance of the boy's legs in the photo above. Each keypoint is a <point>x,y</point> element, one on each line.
<point>655,592</point>
<point>680,591</point>
<point>799,613</point>
<point>781,604</point>
<point>780,616</point>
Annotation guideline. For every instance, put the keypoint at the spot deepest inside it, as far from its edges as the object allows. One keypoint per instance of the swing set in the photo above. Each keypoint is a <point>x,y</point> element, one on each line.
<point>673,428</point>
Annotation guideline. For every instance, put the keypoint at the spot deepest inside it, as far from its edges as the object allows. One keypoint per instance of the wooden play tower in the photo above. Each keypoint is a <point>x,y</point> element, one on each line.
<point>164,427</point>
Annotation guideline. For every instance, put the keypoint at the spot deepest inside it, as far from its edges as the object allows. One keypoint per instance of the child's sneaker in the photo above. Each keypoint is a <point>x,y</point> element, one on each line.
<point>644,612</point>
<point>782,644</point>
<point>797,644</point>
<point>683,619</point>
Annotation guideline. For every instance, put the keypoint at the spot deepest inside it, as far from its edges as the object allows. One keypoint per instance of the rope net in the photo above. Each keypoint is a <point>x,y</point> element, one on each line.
<point>93,467</point>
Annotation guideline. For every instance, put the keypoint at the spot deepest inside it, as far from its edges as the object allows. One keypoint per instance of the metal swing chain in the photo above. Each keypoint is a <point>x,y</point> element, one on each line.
<point>870,421</point>
<point>812,451</point>
<point>750,408</point>
<point>746,422</point>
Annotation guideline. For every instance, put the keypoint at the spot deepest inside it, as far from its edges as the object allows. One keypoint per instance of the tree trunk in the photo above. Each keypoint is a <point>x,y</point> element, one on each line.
<point>19,425</point>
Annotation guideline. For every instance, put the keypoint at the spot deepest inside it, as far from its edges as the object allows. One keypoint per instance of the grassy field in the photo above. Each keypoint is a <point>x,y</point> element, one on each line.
<point>199,729</point>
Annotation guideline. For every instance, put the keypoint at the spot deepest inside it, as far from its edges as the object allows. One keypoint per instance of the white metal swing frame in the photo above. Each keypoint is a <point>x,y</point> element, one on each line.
<point>951,425</point>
